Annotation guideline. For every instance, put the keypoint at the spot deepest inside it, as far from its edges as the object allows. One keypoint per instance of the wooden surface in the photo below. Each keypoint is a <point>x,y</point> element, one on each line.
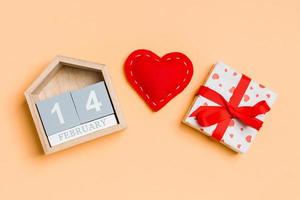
<point>156,157</point>
<point>68,79</point>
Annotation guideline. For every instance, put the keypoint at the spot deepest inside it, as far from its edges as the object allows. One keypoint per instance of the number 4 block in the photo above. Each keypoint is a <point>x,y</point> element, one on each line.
<point>58,113</point>
<point>92,102</point>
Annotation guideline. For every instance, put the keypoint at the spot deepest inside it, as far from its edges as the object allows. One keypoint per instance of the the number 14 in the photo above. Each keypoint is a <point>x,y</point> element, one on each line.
<point>92,103</point>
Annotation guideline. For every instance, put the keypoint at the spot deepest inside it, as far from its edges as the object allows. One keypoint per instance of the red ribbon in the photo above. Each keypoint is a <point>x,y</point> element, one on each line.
<point>222,115</point>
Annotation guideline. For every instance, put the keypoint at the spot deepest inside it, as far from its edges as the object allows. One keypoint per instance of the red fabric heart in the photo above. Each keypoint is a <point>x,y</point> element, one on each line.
<point>158,80</point>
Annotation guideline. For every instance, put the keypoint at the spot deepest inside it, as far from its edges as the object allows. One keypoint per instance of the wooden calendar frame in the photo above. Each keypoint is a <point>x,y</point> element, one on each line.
<point>58,78</point>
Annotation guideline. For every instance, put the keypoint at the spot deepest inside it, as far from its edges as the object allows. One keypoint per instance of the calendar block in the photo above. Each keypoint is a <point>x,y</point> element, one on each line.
<point>82,130</point>
<point>92,102</point>
<point>58,113</point>
<point>72,102</point>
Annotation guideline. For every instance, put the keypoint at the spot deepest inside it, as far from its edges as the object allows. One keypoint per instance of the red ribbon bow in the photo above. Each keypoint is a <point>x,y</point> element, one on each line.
<point>222,115</point>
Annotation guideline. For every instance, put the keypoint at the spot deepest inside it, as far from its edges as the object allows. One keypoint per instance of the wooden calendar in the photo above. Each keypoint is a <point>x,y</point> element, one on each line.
<point>72,102</point>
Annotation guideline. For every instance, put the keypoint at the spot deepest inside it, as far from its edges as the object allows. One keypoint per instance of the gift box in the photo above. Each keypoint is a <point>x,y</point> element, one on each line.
<point>230,107</point>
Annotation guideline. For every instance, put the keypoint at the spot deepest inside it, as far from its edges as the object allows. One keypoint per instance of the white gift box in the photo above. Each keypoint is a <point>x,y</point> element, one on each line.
<point>223,80</point>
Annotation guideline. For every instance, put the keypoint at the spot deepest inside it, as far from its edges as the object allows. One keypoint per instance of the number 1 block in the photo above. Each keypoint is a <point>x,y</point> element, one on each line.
<point>58,113</point>
<point>92,102</point>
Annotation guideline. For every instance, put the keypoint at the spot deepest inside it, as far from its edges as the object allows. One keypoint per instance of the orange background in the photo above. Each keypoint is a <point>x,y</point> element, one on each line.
<point>156,157</point>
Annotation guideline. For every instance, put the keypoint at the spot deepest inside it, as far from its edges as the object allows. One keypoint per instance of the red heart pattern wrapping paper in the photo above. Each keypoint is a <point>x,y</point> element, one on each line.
<point>224,81</point>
